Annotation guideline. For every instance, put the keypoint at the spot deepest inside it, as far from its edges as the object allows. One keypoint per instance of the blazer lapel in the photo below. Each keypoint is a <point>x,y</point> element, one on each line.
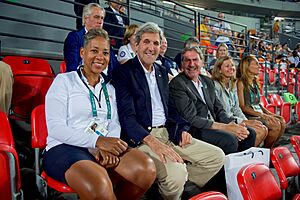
<point>161,85</point>
<point>192,87</point>
<point>140,76</point>
<point>206,94</point>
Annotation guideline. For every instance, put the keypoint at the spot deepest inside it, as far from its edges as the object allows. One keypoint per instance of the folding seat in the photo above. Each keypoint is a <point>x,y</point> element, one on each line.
<point>264,102</point>
<point>261,79</point>
<point>38,142</point>
<point>295,141</point>
<point>62,67</point>
<point>285,107</point>
<point>271,76</point>
<point>297,111</point>
<point>22,63</point>
<point>285,165</point>
<point>209,196</point>
<point>10,181</point>
<point>283,79</point>
<point>32,79</point>
<point>257,182</point>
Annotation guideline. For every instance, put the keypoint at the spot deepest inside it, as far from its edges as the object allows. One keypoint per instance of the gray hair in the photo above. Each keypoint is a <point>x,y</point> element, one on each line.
<point>192,48</point>
<point>191,40</point>
<point>148,27</point>
<point>93,33</point>
<point>87,10</point>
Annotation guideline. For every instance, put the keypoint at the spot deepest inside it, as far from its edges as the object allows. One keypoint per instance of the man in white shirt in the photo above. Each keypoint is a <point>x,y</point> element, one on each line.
<point>149,124</point>
<point>222,30</point>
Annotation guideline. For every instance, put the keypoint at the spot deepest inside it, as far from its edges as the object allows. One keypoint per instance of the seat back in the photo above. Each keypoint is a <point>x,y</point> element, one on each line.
<point>271,76</point>
<point>39,127</point>
<point>264,102</point>
<point>29,91</point>
<point>295,141</point>
<point>10,181</point>
<point>285,165</point>
<point>22,63</point>
<point>257,182</point>
<point>276,100</point>
<point>211,195</point>
<point>62,67</point>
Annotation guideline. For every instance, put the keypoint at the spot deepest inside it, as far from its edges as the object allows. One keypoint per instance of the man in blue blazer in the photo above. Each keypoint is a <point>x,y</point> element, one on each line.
<point>152,126</point>
<point>93,17</point>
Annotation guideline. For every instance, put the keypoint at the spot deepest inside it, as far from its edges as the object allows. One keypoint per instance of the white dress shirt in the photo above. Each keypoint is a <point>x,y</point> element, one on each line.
<point>69,111</point>
<point>158,112</point>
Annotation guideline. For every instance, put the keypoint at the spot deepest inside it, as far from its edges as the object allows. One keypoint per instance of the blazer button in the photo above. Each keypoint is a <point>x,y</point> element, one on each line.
<point>149,128</point>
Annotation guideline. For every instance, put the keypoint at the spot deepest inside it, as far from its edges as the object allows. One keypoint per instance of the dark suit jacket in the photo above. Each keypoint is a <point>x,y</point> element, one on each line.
<point>134,102</point>
<point>72,45</point>
<point>190,105</point>
<point>117,31</point>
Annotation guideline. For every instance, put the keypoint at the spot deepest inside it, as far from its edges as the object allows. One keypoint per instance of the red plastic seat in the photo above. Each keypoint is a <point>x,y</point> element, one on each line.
<point>285,107</point>
<point>257,182</point>
<point>261,79</point>
<point>38,141</point>
<point>264,102</point>
<point>22,63</point>
<point>285,165</point>
<point>271,76</point>
<point>10,181</point>
<point>62,67</point>
<point>283,79</point>
<point>297,110</point>
<point>209,196</point>
<point>295,141</point>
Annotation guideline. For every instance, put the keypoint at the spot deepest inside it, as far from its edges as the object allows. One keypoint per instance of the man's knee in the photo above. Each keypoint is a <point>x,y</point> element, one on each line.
<point>229,143</point>
<point>175,179</point>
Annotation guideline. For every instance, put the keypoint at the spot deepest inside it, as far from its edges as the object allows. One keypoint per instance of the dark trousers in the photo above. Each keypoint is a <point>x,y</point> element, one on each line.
<point>225,140</point>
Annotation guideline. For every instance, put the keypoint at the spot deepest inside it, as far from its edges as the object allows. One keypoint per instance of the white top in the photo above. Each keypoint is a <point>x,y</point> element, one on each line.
<point>223,26</point>
<point>69,111</point>
<point>158,112</point>
<point>125,53</point>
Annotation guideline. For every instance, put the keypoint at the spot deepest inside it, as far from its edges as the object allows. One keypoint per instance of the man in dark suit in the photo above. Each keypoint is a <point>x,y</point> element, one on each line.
<point>115,23</point>
<point>142,100</point>
<point>93,17</point>
<point>195,99</point>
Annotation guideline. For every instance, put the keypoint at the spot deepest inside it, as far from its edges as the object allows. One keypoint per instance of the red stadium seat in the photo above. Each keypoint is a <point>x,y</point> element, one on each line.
<point>285,107</point>
<point>21,63</point>
<point>261,80</point>
<point>62,67</point>
<point>297,110</point>
<point>209,196</point>
<point>257,182</point>
<point>10,181</point>
<point>271,76</point>
<point>285,165</point>
<point>32,78</point>
<point>264,102</point>
<point>295,141</point>
<point>38,141</point>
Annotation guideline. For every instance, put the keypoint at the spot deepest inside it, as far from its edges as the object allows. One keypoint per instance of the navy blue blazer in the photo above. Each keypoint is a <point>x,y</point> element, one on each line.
<point>72,45</point>
<point>134,103</point>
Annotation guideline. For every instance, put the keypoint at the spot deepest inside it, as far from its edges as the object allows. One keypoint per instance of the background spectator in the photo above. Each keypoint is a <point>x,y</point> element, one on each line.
<point>127,51</point>
<point>78,11</point>
<point>115,23</point>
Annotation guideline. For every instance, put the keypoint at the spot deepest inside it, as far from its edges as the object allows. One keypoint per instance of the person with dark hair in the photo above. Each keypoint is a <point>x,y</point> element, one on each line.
<point>115,23</point>
<point>152,126</point>
<point>95,166</point>
<point>249,100</point>
<point>92,17</point>
<point>196,101</point>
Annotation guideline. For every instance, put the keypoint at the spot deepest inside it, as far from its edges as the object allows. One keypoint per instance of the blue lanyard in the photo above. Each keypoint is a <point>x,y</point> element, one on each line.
<point>93,97</point>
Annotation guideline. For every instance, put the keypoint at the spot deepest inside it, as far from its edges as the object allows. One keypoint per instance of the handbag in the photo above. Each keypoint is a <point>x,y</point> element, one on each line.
<point>235,161</point>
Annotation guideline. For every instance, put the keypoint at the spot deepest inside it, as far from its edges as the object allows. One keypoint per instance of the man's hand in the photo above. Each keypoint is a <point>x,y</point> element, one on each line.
<point>112,145</point>
<point>186,139</point>
<point>162,150</point>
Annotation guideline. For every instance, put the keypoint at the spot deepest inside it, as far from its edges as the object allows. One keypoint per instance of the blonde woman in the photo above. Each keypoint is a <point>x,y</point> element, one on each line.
<point>222,51</point>
<point>223,75</point>
<point>249,100</point>
<point>127,51</point>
